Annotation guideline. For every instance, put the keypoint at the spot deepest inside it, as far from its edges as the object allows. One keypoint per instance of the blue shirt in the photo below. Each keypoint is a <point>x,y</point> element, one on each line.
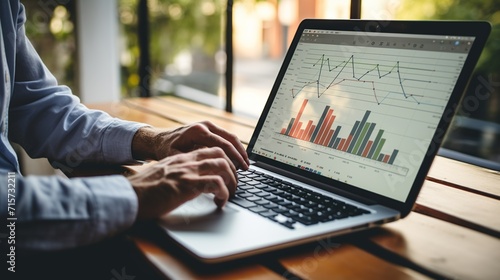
<point>52,212</point>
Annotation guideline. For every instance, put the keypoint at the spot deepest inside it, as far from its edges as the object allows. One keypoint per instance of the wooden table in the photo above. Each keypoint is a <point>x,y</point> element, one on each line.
<point>453,231</point>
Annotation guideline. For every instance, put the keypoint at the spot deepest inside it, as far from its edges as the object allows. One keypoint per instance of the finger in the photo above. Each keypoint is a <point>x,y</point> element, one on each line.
<point>217,136</point>
<point>215,185</point>
<point>220,167</point>
<point>213,153</point>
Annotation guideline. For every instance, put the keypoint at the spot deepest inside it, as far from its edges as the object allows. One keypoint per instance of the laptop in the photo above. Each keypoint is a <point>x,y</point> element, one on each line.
<point>349,131</point>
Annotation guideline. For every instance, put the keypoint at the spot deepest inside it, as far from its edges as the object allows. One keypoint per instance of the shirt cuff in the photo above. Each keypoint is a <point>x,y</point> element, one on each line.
<point>115,204</point>
<point>117,141</point>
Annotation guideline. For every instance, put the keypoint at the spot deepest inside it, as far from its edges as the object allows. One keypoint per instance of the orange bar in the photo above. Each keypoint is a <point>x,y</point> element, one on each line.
<point>301,133</point>
<point>306,131</point>
<point>283,130</point>
<point>367,149</point>
<point>297,119</point>
<point>297,130</point>
<point>327,136</point>
<point>386,158</point>
<point>309,134</point>
<point>349,139</point>
<point>341,144</point>
<point>323,127</point>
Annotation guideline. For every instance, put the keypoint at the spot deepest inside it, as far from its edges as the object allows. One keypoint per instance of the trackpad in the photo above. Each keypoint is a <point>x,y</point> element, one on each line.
<point>200,213</point>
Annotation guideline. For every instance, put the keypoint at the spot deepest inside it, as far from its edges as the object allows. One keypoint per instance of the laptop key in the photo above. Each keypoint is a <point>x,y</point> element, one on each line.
<point>244,195</point>
<point>306,220</point>
<point>242,202</point>
<point>253,198</point>
<point>268,214</point>
<point>244,173</point>
<point>271,205</point>
<point>253,190</point>
<point>257,209</point>
<point>245,187</point>
<point>283,220</point>
<point>262,202</point>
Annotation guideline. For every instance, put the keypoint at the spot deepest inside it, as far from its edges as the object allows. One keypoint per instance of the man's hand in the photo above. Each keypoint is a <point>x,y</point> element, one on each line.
<point>151,143</point>
<point>179,178</point>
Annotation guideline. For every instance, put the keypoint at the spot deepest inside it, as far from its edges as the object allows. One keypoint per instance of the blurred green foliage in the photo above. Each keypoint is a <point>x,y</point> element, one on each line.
<point>50,28</point>
<point>176,26</point>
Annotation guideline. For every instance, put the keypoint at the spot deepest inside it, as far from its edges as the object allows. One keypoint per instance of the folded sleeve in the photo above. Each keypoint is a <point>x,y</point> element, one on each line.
<point>55,213</point>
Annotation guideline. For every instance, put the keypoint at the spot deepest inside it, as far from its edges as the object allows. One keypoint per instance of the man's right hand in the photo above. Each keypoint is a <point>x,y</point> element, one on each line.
<point>176,179</point>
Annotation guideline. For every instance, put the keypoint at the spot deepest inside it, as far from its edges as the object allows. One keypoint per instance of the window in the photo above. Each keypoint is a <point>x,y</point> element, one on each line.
<point>185,46</point>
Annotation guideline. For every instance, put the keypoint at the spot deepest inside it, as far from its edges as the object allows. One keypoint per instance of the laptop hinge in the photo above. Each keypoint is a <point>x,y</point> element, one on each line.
<point>314,183</point>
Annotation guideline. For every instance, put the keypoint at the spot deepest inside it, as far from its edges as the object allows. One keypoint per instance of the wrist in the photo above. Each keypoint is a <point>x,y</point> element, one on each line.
<point>143,143</point>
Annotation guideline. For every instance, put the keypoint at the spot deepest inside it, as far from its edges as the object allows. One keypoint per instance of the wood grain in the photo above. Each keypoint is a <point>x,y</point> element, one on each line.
<point>448,249</point>
<point>186,116</point>
<point>173,268</point>
<point>465,176</point>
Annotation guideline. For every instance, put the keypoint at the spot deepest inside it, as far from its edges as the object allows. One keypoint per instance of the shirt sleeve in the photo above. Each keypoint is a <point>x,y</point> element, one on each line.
<point>54,213</point>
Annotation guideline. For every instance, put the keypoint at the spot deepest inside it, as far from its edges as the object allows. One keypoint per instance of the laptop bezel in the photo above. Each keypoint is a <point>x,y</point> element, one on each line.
<point>478,29</point>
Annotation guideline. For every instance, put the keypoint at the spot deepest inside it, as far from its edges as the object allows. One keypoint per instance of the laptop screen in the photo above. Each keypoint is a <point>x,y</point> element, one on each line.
<point>362,109</point>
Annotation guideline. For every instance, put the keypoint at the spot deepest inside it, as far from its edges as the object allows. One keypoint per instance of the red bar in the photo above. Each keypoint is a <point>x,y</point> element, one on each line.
<point>297,130</point>
<point>297,119</point>
<point>323,127</point>
<point>301,133</point>
<point>349,139</point>
<point>386,158</point>
<point>309,134</point>
<point>327,136</point>
<point>367,149</point>
<point>306,130</point>
<point>341,144</point>
<point>283,130</point>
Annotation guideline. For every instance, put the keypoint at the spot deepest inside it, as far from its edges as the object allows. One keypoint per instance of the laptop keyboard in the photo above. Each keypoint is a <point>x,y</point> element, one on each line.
<point>288,204</point>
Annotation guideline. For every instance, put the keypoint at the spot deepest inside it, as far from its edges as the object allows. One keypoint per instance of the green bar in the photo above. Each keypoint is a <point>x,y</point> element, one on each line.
<point>379,148</point>
<point>375,144</point>
<point>360,138</point>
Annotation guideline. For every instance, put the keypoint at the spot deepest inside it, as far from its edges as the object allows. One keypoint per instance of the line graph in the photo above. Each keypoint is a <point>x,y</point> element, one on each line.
<point>383,80</point>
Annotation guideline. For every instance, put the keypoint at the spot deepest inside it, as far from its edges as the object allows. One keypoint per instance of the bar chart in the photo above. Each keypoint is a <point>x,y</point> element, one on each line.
<point>361,141</point>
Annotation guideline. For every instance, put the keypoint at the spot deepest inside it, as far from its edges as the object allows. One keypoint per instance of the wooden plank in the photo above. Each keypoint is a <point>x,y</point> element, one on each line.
<point>450,250</point>
<point>474,209</point>
<point>186,116</point>
<point>173,268</point>
<point>343,262</point>
<point>122,111</point>
<point>204,110</point>
<point>465,176</point>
